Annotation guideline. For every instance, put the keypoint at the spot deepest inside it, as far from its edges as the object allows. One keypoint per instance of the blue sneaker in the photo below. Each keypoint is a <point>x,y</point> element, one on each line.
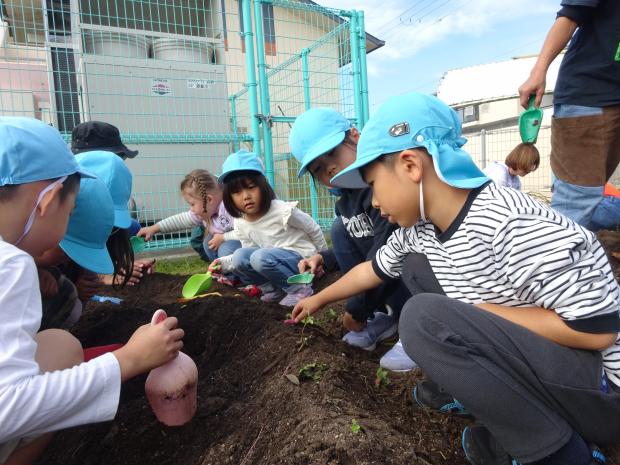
<point>481,448</point>
<point>381,327</point>
<point>428,394</point>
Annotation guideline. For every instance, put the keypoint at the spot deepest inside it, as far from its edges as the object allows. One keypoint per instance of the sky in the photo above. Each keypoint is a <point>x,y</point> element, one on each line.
<point>426,38</point>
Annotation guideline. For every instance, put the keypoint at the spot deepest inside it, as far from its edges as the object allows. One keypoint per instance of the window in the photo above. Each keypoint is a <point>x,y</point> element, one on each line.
<point>468,114</point>
<point>269,28</point>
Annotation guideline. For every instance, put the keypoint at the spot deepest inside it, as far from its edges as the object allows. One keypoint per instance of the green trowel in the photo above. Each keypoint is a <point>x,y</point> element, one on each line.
<point>530,121</point>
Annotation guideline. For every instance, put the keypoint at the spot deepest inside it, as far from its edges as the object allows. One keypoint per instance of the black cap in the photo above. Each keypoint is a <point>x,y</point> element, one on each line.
<point>97,135</point>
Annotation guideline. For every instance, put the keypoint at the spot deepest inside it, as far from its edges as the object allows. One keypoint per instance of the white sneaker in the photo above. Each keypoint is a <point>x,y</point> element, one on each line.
<point>396,359</point>
<point>379,328</point>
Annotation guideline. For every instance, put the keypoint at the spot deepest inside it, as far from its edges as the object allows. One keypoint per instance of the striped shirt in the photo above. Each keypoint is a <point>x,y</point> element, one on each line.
<point>506,248</point>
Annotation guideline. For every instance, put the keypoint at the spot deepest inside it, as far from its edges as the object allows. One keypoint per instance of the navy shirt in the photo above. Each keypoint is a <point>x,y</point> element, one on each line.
<point>590,73</point>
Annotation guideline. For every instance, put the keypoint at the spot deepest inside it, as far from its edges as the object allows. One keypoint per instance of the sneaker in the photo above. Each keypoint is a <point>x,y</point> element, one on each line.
<point>251,290</point>
<point>481,448</point>
<point>291,298</point>
<point>381,327</point>
<point>272,296</point>
<point>428,394</point>
<point>396,359</point>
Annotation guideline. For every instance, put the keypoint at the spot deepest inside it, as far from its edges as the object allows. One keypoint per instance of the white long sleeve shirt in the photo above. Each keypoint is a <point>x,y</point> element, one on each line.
<point>32,403</point>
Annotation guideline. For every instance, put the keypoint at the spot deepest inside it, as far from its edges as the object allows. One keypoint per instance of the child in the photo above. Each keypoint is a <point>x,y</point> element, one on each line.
<point>118,179</point>
<point>526,335</point>
<point>202,191</point>
<point>275,235</point>
<point>521,161</point>
<point>39,180</point>
<point>80,256</point>
<point>324,142</point>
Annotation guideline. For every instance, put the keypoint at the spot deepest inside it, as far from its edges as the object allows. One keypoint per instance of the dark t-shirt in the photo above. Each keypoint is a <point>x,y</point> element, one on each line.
<point>590,73</point>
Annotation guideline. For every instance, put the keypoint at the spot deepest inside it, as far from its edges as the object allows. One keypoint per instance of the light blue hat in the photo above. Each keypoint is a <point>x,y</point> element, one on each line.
<point>316,132</point>
<point>90,226</point>
<point>415,120</point>
<point>31,151</point>
<point>240,161</point>
<point>111,169</point>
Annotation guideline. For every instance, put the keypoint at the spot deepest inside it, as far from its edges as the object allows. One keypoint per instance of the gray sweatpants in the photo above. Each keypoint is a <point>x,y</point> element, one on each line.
<point>528,391</point>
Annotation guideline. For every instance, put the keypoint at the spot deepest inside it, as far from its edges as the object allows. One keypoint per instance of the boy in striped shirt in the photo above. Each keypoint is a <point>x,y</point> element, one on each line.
<point>521,323</point>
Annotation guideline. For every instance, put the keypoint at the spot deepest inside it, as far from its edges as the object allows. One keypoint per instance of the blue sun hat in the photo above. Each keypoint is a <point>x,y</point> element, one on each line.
<point>240,161</point>
<point>31,151</point>
<point>111,169</point>
<point>89,227</point>
<point>316,132</point>
<point>409,121</point>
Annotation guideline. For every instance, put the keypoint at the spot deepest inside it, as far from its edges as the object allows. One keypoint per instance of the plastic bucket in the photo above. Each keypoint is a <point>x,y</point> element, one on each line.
<point>116,45</point>
<point>183,50</point>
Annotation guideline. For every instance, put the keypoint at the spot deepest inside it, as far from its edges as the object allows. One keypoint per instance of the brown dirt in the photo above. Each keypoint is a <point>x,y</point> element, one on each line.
<point>248,410</point>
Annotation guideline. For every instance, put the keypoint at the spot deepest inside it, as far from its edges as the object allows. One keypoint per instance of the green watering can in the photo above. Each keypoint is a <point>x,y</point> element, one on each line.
<point>530,121</point>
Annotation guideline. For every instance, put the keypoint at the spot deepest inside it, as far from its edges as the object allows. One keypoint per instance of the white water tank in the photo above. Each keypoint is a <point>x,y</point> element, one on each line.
<point>183,50</point>
<point>116,45</point>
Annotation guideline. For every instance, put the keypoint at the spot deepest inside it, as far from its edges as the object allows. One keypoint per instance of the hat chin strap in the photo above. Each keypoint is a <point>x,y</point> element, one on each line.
<point>422,213</point>
<point>30,221</point>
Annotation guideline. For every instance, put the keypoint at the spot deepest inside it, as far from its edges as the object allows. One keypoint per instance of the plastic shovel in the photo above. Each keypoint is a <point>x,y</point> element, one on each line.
<point>530,121</point>
<point>196,285</point>
<point>303,278</point>
<point>137,244</point>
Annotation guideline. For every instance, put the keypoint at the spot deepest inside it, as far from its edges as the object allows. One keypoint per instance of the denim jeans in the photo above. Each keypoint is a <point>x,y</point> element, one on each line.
<point>225,248</point>
<point>576,202</point>
<point>254,265</point>
<point>606,215</point>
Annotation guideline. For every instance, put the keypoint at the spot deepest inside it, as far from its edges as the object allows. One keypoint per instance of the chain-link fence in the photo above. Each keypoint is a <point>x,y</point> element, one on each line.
<point>186,81</point>
<point>494,145</point>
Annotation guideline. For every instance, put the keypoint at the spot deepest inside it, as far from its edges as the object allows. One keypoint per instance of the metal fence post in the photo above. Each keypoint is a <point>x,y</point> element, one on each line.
<point>355,68</point>
<point>483,148</point>
<point>264,91</point>
<point>363,71</point>
<point>251,74</point>
<point>233,121</point>
<point>305,72</point>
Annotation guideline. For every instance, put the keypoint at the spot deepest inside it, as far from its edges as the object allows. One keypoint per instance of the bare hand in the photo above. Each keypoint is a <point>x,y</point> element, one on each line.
<point>305,308</point>
<point>313,264</point>
<point>87,285</point>
<point>150,346</point>
<point>535,85</point>
<point>148,232</point>
<point>215,266</point>
<point>216,241</point>
<point>352,324</point>
<point>47,283</point>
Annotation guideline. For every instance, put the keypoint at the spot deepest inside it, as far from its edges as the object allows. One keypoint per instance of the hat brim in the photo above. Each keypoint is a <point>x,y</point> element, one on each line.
<point>321,148</point>
<point>95,260</point>
<point>351,176</point>
<point>222,177</point>
<point>455,167</point>
<point>118,149</point>
<point>122,218</point>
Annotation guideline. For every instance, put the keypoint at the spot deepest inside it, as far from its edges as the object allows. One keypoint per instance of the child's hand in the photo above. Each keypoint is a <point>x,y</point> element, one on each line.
<point>216,241</point>
<point>352,324</point>
<point>148,266</point>
<point>313,264</point>
<point>87,285</point>
<point>149,347</point>
<point>305,308</point>
<point>47,283</point>
<point>215,266</point>
<point>148,232</point>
